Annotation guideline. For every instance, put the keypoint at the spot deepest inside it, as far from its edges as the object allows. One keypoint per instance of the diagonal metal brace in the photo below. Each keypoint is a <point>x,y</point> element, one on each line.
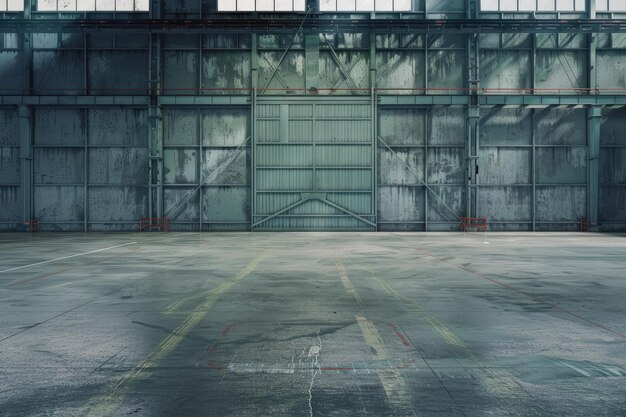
<point>341,67</point>
<point>282,58</point>
<point>418,178</point>
<point>176,209</point>
<point>313,196</point>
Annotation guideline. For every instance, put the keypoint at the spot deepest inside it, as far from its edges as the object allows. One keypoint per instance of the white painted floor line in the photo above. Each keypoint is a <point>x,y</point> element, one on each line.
<point>66,257</point>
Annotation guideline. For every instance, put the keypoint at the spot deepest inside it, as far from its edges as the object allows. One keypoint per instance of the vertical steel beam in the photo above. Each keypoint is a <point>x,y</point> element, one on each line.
<point>25,40</point>
<point>86,172</point>
<point>472,9</point>
<point>372,83</point>
<point>254,60</point>
<point>471,126</point>
<point>253,114</point>
<point>591,8</point>
<point>155,131</point>
<point>200,137</point>
<point>594,116</point>
<point>533,62</point>
<point>534,168</point>
<point>26,121</point>
<point>26,158</point>
<point>155,151</point>
<point>155,9</point>
<point>426,132</point>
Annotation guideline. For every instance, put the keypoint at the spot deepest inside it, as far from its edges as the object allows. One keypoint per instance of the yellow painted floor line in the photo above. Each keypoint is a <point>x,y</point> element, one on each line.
<point>347,284</point>
<point>106,404</point>
<point>495,383</point>
<point>393,383</point>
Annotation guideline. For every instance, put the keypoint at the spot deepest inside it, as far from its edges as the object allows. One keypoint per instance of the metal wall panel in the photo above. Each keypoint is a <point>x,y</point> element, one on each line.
<point>90,168</point>
<point>420,168</point>
<point>357,63</point>
<point>611,69</point>
<point>58,72</point>
<point>400,70</point>
<point>613,169</point>
<point>206,168</point>
<point>537,160</point>
<point>10,190</point>
<point>11,74</point>
<point>180,72</point>
<point>505,71</point>
<point>229,70</point>
<point>313,165</point>
<point>59,168</point>
<point>289,75</point>
<point>118,72</point>
<point>564,70</point>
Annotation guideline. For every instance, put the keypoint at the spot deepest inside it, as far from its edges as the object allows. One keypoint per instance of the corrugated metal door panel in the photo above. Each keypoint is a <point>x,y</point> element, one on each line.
<point>314,164</point>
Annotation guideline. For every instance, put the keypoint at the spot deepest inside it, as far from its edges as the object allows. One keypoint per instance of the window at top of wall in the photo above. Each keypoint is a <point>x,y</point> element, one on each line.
<point>93,5</point>
<point>325,5</point>
<point>534,5</point>
<point>365,5</point>
<point>611,5</point>
<point>260,5</point>
<point>11,5</point>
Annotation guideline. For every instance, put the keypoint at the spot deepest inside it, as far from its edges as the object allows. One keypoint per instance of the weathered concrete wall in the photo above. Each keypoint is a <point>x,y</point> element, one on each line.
<point>10,190</point>
<point>11,56</point>
<point>420,179</point>
<point>90,166</point>
<point>206,168</point>
<point>613,169</point>
<point>537,160</point>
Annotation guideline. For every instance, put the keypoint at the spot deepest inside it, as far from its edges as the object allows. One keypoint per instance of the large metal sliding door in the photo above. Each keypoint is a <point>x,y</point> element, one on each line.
<point>313,164</point>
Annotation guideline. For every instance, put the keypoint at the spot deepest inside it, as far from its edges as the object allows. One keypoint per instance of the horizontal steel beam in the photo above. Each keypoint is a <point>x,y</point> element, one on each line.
<point>113,100</point>
<point>315,24</point>
<point>505,100</point>
<point>401,100</point>
<point>61,100</point>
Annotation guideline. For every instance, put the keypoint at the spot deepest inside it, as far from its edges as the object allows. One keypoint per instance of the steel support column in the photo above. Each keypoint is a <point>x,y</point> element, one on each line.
<point>26,157</point>
<point>372,83</point>
<point>155,131</point>
<point>253,125</point>
<point>594,116</point>
<point>471,127</point>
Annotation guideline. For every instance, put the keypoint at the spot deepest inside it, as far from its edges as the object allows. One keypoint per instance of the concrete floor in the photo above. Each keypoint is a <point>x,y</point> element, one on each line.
<point>321,324</point>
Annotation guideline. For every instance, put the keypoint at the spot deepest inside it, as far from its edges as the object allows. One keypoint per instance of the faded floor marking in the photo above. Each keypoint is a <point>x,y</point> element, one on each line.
<point>503,384</point>
<point>71,268</point>
<point>393,383</point>
<point>347,284</point>
<point>66,257</point>
<point>107,404</point>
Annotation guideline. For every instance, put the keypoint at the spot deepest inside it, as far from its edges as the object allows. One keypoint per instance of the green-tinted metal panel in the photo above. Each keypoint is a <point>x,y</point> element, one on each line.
<point>313,164</point>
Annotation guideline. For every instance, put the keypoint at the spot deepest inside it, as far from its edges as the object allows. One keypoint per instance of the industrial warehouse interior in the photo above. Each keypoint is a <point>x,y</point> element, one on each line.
<point>394,208</point>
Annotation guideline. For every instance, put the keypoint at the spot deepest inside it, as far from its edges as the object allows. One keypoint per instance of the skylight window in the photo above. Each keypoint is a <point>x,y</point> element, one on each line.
<point>534,5</point>
<point>260,5</point>
<point>365,5</point>
<point>11,5</point>
<point>93,5</point>
<point>611,5</point>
